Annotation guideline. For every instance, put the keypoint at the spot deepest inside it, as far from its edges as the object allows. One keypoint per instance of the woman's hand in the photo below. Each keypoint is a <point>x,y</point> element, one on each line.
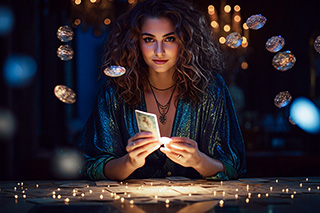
<point>183,151</point>
<point>140,146</point>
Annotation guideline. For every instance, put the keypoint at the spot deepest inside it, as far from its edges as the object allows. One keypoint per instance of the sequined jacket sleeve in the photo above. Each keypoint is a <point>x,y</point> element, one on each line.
<point>101,139</point>
<point>221,137</point>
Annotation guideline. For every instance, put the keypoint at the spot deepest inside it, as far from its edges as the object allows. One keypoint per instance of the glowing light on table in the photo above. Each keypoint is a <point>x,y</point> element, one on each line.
<point>306,115</point>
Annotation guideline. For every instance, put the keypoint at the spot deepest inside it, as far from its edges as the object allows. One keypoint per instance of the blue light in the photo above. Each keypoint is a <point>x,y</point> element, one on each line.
<point>19,70</point>
<point>6,20</point>
<point>306,115</point>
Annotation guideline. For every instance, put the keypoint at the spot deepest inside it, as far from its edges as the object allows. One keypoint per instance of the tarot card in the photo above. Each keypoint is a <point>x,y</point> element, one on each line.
<point>148,122</point>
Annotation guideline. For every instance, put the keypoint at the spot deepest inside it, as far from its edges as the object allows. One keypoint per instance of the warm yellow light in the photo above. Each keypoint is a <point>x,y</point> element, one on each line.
<point>237,18</point>
<point>214,24</point>
<point>222,40</point>
<point>245,26</point>
<point>244,40</point>
<point>107,21</point>
<point>93,1</point>
<point>237,8</point>
<point>226,28</point>
<point>244,65</point>
<point>77,22</point>
<point>244,45</point>
<point>131,1</point>
<point>77,2</point>
<point>227,8</point>
<point>211,9</point>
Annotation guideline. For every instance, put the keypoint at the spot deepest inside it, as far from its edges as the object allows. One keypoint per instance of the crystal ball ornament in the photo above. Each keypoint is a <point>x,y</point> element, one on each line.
<point>65,52</point>
<point>275,44</point>
<point>65,94</point>
<point>282,99</point>
<point>114,71</point>
<point>283,60</point>
<point>234,40</point>
<point>256,22</point>
<point>65,33</point>
<point>317,44</point>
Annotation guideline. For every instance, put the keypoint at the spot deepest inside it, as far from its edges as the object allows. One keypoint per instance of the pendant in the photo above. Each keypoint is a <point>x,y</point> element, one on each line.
<point>163,119</point>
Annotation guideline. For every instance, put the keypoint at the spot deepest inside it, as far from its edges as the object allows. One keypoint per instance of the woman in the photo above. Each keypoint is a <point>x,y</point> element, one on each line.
<point>171,60</point>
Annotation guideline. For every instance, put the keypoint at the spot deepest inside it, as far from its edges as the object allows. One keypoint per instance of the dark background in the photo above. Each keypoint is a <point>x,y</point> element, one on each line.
<point>46,126</point>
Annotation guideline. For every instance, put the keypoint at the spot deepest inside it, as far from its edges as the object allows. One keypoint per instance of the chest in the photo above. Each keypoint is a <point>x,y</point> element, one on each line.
<point>165,113</point>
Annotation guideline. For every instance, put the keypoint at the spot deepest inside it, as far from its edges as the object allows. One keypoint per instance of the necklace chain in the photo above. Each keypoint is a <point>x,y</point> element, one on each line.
<point>163,109</point>
<point>160,89</point>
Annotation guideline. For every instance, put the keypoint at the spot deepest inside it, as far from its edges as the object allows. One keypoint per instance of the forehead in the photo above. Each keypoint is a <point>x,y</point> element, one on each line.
<point>157,26</point>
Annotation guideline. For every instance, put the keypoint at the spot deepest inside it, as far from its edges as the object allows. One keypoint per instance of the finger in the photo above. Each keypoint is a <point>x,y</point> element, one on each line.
<point>180,147</point>
<point>140,135</point>
<point>183,140</point>
<point>140,142</point>
<point>139,147</point>
<point>174,156</point>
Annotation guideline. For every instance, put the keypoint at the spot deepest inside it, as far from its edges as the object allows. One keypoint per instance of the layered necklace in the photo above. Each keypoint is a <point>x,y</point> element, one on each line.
<point>163,109</point>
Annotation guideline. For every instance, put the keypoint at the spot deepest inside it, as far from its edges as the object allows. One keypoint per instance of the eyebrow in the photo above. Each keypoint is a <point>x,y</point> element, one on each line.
<point>149,34</point>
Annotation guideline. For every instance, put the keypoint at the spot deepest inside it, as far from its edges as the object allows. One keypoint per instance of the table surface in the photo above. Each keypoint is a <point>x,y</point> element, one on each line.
<point>174,194</point>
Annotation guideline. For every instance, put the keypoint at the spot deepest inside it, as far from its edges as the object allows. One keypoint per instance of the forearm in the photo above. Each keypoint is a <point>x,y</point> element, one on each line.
<point>209,166</point>
<point>118,169</point>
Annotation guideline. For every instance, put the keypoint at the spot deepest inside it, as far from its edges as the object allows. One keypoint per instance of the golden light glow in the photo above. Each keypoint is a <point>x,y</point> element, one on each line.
<point>244,45</point>
<point>211,9</point>
<point>214,24</point>
<point>226,28</point>
<point>237,8</point>
<point>244,65</point>
<point>244,40</point>
<point>237,18</point>
<point>131,1</point>
<point>222,40</point>
<point>93,1</point>
<point>77,22</point>
<point>227,8</point>
<point>245,26</point>
<point>107,21</point>
<point>77,2</point>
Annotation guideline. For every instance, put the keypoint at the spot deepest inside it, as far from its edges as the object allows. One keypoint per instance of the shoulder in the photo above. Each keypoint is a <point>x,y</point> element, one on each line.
<point>108,91</point>
<point>216,87</point>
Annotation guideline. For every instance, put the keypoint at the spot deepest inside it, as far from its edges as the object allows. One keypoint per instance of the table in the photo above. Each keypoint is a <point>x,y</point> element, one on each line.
<point>172,194</point>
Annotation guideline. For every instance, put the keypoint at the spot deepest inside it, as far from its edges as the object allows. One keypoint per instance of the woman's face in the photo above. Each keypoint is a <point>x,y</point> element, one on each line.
<point>159,45</point>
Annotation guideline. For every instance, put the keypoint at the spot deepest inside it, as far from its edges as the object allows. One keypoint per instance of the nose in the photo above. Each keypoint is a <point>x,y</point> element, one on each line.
<point>159,49</point>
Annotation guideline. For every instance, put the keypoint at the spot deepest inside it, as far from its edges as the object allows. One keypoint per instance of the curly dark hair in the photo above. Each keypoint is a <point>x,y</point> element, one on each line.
<point>199,54</point>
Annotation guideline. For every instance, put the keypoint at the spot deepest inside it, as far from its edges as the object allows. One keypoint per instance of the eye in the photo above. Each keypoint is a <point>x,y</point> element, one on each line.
<point>170,39</point>
<point>148,39</point>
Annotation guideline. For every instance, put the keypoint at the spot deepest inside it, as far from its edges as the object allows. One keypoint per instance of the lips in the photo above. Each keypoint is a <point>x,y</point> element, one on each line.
<point>160,61</point>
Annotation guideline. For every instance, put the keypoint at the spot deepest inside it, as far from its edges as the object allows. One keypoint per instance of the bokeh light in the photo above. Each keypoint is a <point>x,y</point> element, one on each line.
<point>67,164</point>
<point>282,99</point>
<point>256,22</point>
<point>214,24</point>
<point>234,40</point>
<point>227,8</point>
<point>283,60</point>
<point>7,124</point>
<point>6,20</point>
<point>275,44</point>
<point>19,70</point>
<point>114,71</point>
<point>65,52</point>
<point>65,94</point>
<point>317,44</point>
<point>65,33</point>
<point>306,115</point>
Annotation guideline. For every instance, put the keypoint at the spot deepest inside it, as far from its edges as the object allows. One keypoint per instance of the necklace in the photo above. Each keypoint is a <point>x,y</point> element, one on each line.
<point>160,89</point>
<point>163,109</point>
